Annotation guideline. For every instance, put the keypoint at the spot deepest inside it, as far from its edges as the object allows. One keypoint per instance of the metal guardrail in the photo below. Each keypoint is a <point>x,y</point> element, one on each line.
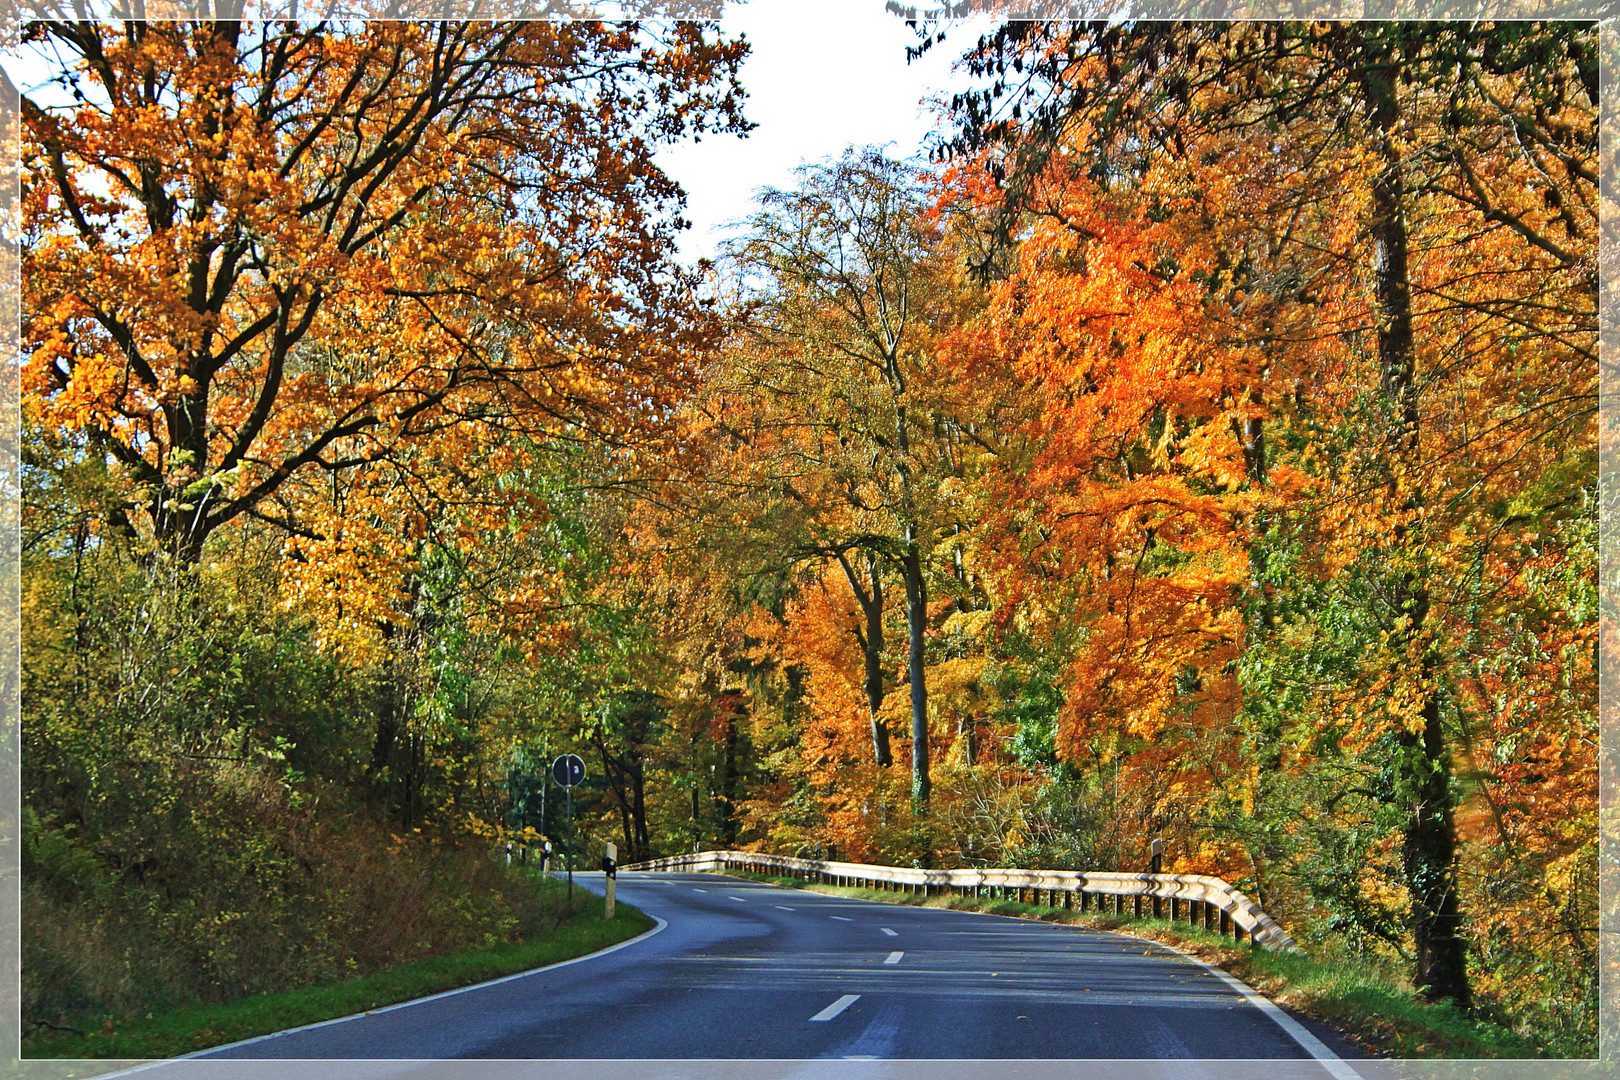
<point>1193,897</point>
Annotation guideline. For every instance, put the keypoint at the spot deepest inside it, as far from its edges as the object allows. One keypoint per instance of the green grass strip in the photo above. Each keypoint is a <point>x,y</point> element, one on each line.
<point>1358,998</point>
<point>189,1029</point>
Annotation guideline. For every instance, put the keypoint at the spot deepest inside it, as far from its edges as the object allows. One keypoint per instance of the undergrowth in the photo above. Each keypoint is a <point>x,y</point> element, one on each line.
<point>188,1028</point>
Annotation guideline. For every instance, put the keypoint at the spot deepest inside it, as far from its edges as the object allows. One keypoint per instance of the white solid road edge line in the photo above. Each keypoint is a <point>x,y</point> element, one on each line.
<point>1313,1046</point>
<point>835,1008</point>
<point>1316,1048</point>
<point>644,935</point>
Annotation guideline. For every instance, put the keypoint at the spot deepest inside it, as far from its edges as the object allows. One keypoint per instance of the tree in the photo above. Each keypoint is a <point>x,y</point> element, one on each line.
<point>849,284</point>
<point>1388,201</point>
<point>257,251</point>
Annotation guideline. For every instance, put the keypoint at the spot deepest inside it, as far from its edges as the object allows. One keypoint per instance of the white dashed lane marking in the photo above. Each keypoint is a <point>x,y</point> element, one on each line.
<point>835,1008</point>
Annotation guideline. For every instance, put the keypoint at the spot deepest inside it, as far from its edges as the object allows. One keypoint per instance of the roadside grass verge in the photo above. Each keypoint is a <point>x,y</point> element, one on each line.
<point>1366,1002</point>
<point>188,1029</point>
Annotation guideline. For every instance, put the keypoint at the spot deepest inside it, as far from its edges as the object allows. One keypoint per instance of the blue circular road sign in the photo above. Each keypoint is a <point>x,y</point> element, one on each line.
<point>568,770</point>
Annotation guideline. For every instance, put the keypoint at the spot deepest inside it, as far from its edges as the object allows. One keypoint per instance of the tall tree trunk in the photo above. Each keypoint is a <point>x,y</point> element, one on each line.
<point>916,590</point>
<point>628,828</point>
<point>641,849</point>
<point>728,785</point>
<point>1424,768</point>
<point>871,602</point>
<point>626,777</point>
<point>916,622</point>
<point>967,728</point>
<point>697,784</point>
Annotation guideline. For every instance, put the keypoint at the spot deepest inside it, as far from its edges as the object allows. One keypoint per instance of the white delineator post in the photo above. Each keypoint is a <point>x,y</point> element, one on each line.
<point>612,858</point>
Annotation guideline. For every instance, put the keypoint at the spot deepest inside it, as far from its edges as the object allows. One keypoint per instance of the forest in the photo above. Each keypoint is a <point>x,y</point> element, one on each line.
<point>1200,447</point>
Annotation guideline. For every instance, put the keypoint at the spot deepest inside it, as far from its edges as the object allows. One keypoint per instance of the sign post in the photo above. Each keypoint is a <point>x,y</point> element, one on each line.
<point>610,872</point>
<point>568,770</point>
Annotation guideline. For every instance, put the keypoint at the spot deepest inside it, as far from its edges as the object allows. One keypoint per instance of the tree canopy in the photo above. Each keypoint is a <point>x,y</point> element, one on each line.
<point>1197,456</point>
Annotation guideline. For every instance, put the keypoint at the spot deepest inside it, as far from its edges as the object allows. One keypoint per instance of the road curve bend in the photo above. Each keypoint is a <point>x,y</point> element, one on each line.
<point>743,970</point>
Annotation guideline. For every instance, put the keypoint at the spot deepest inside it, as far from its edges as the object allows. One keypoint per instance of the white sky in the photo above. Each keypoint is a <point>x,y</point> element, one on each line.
<point>820,77</point>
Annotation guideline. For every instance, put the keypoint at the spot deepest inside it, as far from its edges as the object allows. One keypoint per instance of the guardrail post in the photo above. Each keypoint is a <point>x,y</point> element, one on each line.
<point>1158,908</point>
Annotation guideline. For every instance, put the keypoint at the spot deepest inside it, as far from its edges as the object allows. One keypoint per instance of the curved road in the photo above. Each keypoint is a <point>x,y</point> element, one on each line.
<point>746,970</point>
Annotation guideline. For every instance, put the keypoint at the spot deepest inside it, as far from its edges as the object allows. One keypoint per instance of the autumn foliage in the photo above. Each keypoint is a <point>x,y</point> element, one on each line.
<point>1202,450</point>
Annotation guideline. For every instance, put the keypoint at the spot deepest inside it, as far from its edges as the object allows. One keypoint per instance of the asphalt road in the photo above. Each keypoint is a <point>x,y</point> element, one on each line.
<point>746,970</point>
